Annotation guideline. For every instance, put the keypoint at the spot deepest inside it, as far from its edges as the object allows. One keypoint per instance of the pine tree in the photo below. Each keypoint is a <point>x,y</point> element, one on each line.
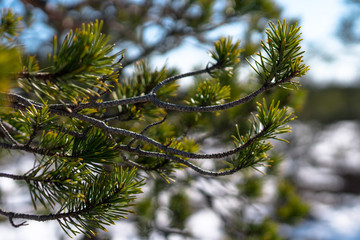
<point>94,132</point>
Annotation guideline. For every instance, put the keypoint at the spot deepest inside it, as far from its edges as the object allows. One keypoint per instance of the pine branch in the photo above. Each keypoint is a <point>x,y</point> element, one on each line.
<point>151,98</point>
<point>29,149</point>
<point>68,126</point>
<point>106,199</point>
<point>113,130</point>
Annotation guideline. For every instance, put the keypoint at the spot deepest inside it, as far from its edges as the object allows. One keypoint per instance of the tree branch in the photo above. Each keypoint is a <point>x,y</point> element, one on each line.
<point>194,156</point>
<point>151,97</point>
<point>148,127</point>
<point>20,102</point>
<point>57,216</point>
<point>7,134</point>
<point>12,176</point>
<point>114,130</point>
<point>26,148</point>
<point>180,160</point>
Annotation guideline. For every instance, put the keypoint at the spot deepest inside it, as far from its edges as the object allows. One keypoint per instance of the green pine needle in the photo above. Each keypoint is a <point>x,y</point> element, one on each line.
<point>284,59</point>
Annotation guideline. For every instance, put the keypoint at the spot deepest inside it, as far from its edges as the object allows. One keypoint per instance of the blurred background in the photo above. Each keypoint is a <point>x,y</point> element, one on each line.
<point>312,191</point>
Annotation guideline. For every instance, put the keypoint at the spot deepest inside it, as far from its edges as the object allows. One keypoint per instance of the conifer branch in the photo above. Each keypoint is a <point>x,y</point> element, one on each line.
<point>151,98</point>
<point>29,149</point>
<point>138,136</point>
<point>77,147</point>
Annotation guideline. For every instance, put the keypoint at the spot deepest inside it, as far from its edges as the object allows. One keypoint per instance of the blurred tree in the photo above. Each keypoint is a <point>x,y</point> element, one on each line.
<point>96,132</point>
<point>147,27</point>
<point>350,23</point>
<point>340,99</point>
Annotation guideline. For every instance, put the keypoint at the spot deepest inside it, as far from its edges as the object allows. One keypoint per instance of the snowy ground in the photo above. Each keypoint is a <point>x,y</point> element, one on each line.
<point>317,156</point>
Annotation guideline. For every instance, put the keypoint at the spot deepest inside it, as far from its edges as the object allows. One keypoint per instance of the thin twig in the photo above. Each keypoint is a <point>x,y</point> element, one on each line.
<point>32,135</point>
<point>180,76</point>
<point>57,216</point>
<point>148,127</point>
<point>12,176</point>
<point>30,149</point>
<point>182,161</point>
<point>132,163</point>
<point>7,134</point>
<point>24,223</point>
<point>11,128</point>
